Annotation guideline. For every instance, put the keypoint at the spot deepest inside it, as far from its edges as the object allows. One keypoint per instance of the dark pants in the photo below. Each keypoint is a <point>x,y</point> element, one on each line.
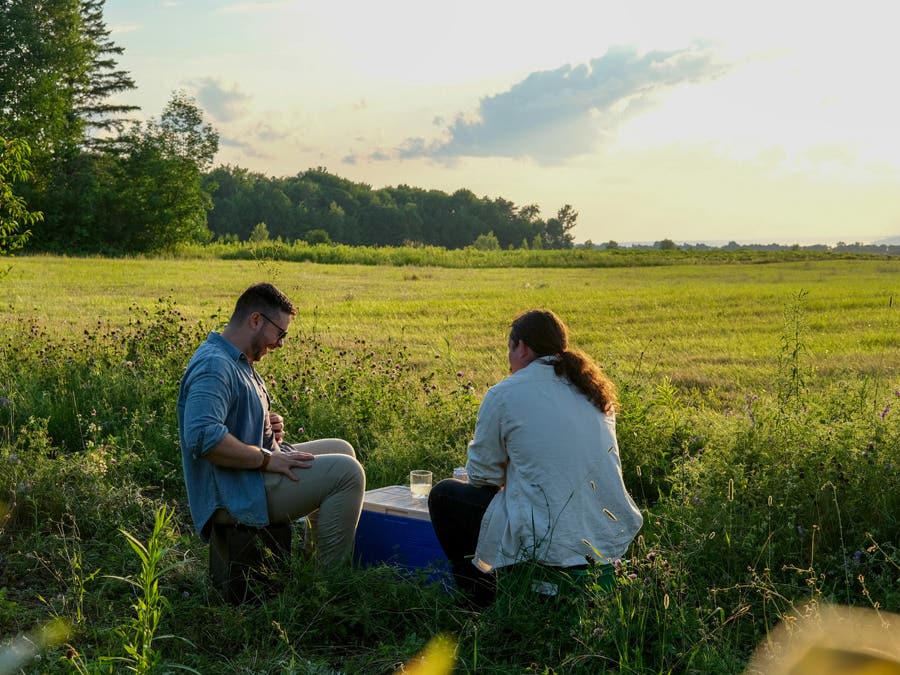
<point>456,510</point>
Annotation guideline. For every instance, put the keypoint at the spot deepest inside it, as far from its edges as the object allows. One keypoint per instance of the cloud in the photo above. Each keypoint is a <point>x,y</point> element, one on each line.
<point>557,114</point>
<point>225,105</point>
<point>266,133</point>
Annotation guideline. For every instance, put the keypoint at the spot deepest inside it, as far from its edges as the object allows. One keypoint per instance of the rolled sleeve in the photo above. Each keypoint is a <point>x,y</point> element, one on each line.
<point>205,411</point>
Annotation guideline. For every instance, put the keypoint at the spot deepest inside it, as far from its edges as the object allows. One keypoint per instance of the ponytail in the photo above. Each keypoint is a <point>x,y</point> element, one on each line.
<point>589,378</point>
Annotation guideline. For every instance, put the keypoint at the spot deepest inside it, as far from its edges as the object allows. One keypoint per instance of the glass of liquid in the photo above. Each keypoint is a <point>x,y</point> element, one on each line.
<point>419,483</point>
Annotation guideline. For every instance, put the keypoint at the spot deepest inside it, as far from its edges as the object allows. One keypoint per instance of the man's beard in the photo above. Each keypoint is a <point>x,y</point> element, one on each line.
<point>257,348</point>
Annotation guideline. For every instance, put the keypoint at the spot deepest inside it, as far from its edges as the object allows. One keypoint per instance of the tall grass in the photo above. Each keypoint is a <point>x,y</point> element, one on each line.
<point>770,502</point>
<point>472,258</point>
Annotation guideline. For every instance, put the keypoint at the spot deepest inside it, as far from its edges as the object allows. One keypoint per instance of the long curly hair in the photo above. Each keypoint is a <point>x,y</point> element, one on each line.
<point>547,335</point>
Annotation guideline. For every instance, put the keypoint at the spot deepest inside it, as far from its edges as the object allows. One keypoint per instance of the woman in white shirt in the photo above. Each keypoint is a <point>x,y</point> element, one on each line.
<point>544,476</point>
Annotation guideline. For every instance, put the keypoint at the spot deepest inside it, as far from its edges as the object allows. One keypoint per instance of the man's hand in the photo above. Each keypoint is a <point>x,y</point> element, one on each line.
<point>284,462</point>
<point>277,423</point>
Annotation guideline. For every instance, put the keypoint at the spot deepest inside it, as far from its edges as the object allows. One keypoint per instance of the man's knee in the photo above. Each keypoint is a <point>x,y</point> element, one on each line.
<point>349,471</point>
<point>342,447</point>
<point>326,446</point>
<point>356,472</point>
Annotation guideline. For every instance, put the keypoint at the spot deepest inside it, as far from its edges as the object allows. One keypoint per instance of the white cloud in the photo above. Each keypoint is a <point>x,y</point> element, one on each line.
<point>556,114</point>
<point>224,104</point>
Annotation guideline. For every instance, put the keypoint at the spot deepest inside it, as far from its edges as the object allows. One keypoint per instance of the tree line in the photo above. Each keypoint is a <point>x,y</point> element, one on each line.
<point>320,207</point>
<point>87,177</point>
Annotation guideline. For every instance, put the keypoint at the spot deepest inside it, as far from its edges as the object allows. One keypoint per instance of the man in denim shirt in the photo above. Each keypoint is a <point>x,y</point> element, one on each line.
<point>236,467</point>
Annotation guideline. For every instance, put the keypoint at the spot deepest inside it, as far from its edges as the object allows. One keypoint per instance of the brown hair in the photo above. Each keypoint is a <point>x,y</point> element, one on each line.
<point>262,297</point>
<point>547,335</point>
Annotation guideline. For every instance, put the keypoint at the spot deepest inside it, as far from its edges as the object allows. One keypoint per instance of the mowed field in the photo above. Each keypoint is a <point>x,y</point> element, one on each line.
<point>718,328</point>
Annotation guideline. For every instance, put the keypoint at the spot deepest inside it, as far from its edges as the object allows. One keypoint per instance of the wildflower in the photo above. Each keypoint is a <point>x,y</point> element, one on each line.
<point>4,402</point>
<point>185,595</point>
<point>14,459</point>
<point>651,556</point>
<point>857,557</point>
<point>459,373</point>
<point>886,410</point>
<point>632,576</point>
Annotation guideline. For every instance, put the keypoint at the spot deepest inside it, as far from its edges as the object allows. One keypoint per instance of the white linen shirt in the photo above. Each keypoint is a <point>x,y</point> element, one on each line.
<point>556,458</point>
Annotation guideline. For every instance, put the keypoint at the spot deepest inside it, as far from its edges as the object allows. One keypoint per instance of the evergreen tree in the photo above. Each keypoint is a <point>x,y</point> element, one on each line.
<point>105,80</point>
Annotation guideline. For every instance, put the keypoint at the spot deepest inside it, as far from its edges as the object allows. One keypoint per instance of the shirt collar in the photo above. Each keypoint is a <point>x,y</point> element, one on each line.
<point>223,344</point>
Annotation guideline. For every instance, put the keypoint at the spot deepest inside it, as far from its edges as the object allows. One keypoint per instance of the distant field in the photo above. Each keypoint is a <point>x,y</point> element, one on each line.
<point>712,326</point>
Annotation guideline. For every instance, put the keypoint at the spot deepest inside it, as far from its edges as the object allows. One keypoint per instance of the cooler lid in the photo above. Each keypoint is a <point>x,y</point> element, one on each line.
<point>396,500</point>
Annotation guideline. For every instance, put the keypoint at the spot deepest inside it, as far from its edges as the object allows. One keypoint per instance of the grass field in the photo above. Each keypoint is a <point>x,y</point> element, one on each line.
<point>712,326</point>
<point>760,434</point>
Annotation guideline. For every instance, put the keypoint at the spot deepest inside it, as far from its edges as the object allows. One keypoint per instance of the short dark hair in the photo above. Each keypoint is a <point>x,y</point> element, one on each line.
<point>262,297</point>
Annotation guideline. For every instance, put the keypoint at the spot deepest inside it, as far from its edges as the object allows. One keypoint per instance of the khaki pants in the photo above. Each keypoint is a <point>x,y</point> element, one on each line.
<point>329,494</point>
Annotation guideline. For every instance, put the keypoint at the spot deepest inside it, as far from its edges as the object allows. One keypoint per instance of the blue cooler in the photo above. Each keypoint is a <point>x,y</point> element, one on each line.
<point>395,529</point>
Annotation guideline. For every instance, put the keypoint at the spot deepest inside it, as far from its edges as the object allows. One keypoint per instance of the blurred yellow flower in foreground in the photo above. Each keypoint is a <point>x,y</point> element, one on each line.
<point>437,658</point>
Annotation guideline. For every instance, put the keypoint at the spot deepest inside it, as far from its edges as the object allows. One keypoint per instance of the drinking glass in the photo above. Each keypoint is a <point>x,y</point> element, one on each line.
<point>419,483</point>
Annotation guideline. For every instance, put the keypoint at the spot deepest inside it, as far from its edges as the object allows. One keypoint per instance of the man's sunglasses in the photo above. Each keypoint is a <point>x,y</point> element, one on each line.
<point>282,333</point>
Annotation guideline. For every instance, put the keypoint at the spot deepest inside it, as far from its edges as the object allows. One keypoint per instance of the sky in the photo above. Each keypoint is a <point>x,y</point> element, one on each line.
<point>697,120</point>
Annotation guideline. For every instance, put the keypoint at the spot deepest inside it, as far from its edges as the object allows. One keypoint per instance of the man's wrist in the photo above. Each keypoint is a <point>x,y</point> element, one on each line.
<point>266,456</point>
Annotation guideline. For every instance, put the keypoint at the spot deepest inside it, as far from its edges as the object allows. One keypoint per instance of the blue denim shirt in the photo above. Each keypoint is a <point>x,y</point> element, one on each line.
<point>221,393</point>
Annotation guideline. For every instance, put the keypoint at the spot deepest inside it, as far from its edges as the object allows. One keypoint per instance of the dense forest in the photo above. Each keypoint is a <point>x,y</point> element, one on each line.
<point>320,207</point>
